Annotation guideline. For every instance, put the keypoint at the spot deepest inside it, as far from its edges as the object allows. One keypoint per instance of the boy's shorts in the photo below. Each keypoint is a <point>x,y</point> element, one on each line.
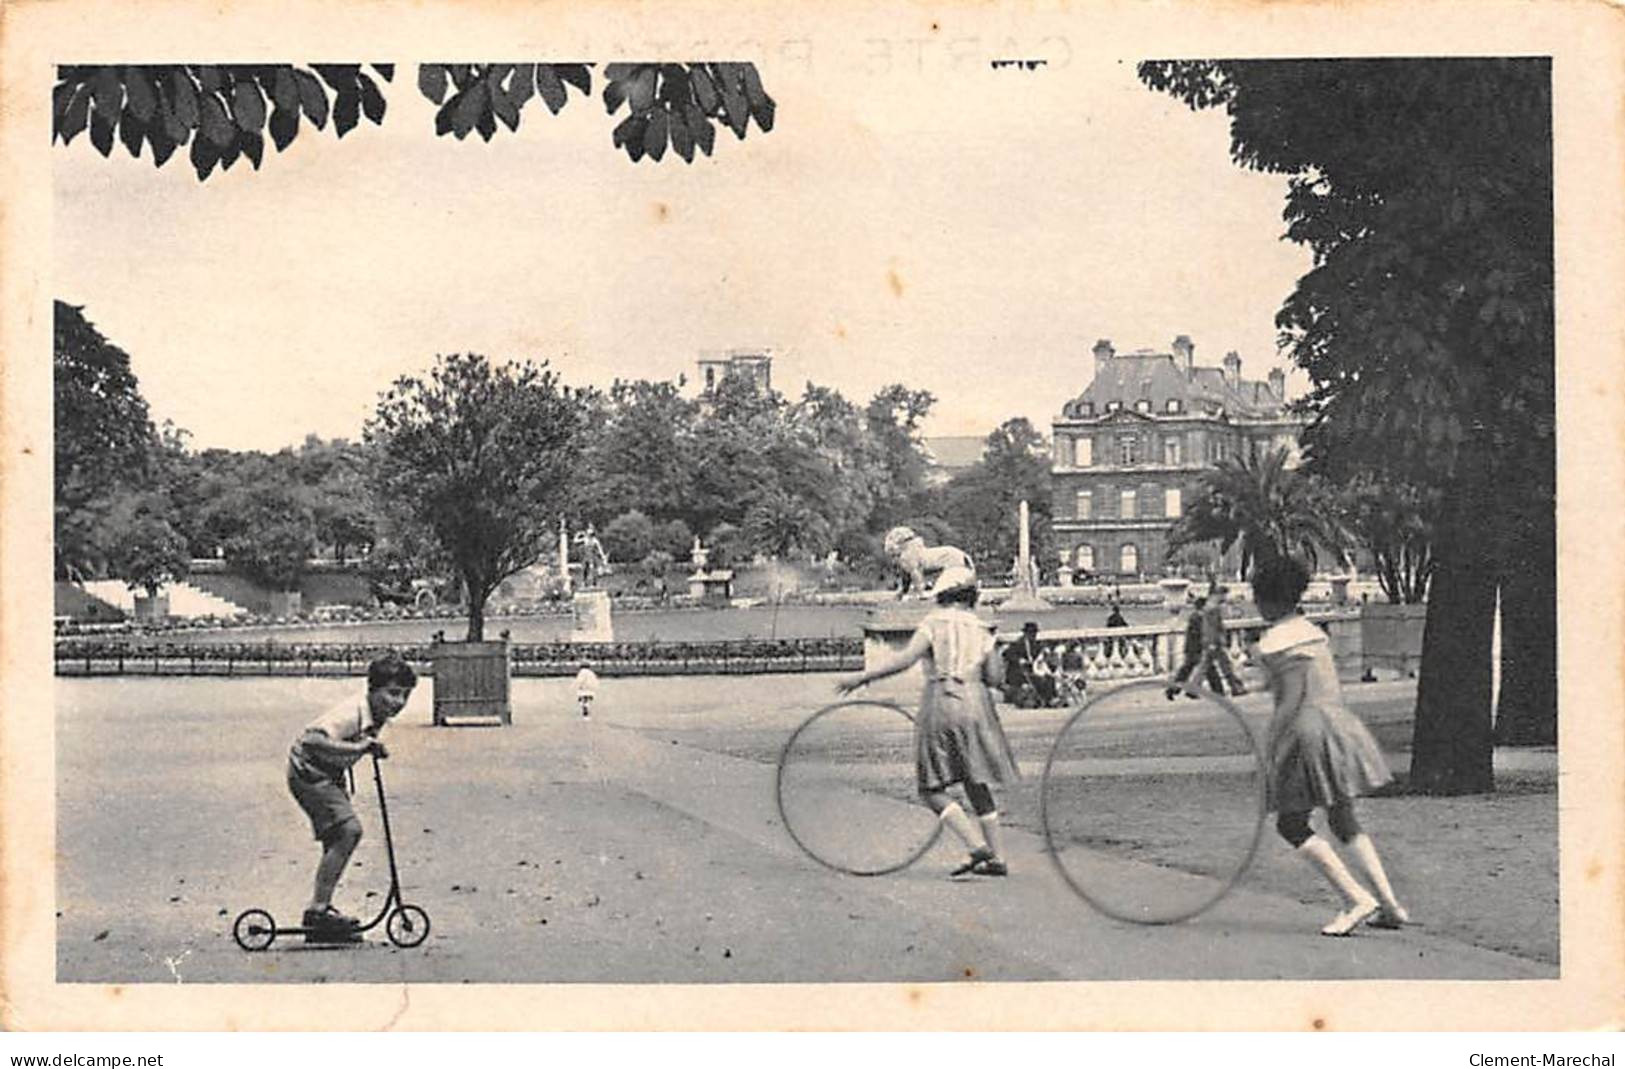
<point>325,802</point>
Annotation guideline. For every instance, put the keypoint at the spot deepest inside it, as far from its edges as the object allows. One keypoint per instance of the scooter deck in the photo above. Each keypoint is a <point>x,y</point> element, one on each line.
<point>328,936</point>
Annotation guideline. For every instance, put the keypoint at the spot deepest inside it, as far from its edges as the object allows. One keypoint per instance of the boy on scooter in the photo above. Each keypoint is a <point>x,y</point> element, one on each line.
<point>319,764</point>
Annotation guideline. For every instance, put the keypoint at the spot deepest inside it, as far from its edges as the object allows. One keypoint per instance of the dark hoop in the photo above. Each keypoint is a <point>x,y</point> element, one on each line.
<point>1224,885</point>
<point>784,816</point>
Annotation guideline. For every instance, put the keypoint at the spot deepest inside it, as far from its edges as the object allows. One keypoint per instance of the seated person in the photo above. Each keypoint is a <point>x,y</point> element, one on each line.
<point>921,564</point>
<point>1025,668</point>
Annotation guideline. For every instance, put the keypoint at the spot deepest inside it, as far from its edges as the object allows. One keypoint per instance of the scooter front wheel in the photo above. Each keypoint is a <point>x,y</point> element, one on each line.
<point>408,926</point>
<point>254,929</point>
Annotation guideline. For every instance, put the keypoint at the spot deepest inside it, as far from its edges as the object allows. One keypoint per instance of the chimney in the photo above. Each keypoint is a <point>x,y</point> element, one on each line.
<point>1277,379</point>
<point>1103,353</point>
<point>1184,354</point>
<point>1232,369</point>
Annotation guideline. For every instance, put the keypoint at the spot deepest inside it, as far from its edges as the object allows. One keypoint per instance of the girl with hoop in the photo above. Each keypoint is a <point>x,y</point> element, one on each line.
<point>1320,755</point>
<point>957,738</point>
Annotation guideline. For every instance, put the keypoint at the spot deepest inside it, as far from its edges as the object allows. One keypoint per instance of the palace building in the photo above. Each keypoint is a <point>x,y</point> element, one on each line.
<point>1130,450</point>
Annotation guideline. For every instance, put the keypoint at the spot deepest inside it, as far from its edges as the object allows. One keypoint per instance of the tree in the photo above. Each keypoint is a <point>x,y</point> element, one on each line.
<point>779,524</point>
<point>675,538</point>
<point>984,502</point>
<point>1423,189</point>
<point>639,453</point>
<point>483,457</point>
<point>104,438</point>
<point>1264,508</point>
<point>224,111</point>
<point>267,531</point>
<point>892,419</point>
<point>1392,521</point>
<point>149,552</point>
<point>629,537</point>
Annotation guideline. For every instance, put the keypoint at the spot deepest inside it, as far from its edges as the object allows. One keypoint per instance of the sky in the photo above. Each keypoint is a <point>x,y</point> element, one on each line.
<point>914,216</point>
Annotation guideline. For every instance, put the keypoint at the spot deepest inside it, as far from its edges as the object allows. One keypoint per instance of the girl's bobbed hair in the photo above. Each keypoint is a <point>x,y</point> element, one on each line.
<point>1281,580</point>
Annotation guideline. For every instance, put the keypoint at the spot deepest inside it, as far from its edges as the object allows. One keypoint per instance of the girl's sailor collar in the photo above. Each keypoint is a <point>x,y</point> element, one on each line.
<point>1295,630</point>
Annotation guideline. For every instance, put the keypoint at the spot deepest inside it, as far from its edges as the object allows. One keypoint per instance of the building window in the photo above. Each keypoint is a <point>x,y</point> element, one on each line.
<point>1113,406</point>
<point>1170,450</point>
<point>1173,404</point>
<point>1130,560</point>
<point>1085,505</point>
<point>1171,504</point>
<point>1142,406</point>
<point>1084,558</point>
<point>1063,451</point>
<point>1128,450</point>
<point>1126,506</point>
<point>1087,408</point>
<point>1083,452</point>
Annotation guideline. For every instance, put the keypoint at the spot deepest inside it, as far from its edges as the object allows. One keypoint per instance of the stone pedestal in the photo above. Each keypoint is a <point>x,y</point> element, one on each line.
<point>591,611</point>
<point>154,609</point>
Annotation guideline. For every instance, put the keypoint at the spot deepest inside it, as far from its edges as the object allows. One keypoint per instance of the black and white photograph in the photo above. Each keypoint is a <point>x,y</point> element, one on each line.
<point>704,517</point>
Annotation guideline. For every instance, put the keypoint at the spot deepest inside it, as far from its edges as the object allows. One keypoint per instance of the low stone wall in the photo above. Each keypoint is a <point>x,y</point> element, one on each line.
<point>1126,653</point>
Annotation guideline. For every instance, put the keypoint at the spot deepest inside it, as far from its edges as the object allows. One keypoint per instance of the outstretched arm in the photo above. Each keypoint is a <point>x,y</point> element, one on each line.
<point>917,647</point>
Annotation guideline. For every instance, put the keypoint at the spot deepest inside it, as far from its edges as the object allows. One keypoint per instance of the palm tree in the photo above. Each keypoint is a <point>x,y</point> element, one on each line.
<point>1266,508</point>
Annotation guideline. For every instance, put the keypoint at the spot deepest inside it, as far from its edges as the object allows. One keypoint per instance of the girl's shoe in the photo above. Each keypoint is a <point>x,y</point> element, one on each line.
<point>1351,918</point>
<point>980,856</point>
<point>1395,916</point>
<point>991,867</point>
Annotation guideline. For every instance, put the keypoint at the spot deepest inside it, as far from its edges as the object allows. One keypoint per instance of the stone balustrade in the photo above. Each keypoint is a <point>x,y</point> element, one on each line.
<point>1122,654</point>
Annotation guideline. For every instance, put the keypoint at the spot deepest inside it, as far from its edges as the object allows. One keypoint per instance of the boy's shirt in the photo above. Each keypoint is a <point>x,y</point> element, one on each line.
<point>586,683</point>
<point>345,721</point>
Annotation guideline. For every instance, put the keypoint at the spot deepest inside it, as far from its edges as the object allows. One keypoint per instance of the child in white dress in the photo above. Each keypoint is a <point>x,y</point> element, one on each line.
<point>957,737</point>
<point>1320,755</point>
<point>586,689</point>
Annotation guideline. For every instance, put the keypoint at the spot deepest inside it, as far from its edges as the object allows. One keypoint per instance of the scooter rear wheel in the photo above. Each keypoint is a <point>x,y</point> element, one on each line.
<point>408,926</point>
<point>254,930</point>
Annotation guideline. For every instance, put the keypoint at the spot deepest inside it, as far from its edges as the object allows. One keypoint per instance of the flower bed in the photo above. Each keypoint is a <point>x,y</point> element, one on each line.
<point>122,656</point>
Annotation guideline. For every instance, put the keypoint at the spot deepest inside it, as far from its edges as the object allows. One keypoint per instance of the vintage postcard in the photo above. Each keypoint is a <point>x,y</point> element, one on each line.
<point>903,516</point>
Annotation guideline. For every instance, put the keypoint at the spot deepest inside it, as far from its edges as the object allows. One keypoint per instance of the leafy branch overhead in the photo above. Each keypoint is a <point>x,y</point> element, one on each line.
<point>666,103</point>
<point>223,112</point>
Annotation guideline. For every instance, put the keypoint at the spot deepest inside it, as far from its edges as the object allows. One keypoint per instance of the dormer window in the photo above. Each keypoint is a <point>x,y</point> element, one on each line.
<point>1113,406</point>
<point>1174,405</point>
<point>1142,406</point>
<point>1087,408</point>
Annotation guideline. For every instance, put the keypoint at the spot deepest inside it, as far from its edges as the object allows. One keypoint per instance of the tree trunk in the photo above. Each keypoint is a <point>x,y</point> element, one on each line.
<point>1527,712</point>
<point>475,593</point>
<point>1452,748</point>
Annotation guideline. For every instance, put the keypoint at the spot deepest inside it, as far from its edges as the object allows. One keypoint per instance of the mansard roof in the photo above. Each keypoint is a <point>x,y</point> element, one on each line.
<point>1155,377</point>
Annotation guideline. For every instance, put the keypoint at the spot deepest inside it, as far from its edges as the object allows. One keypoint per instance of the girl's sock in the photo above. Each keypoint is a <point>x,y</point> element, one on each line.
<point>959,822</point>
<point>990,832</point>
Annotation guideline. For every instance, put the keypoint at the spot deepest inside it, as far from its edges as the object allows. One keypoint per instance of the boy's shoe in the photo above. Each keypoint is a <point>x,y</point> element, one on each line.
<point>1170,692</point>
<point>980,856</point>
<point>991,867</point>
<point>1238,690</point>
<point>1395,916</point>
<point>329,919</point>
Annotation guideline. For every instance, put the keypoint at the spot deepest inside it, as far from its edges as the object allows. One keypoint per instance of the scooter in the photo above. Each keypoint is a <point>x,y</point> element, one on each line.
<point>407,925</point>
